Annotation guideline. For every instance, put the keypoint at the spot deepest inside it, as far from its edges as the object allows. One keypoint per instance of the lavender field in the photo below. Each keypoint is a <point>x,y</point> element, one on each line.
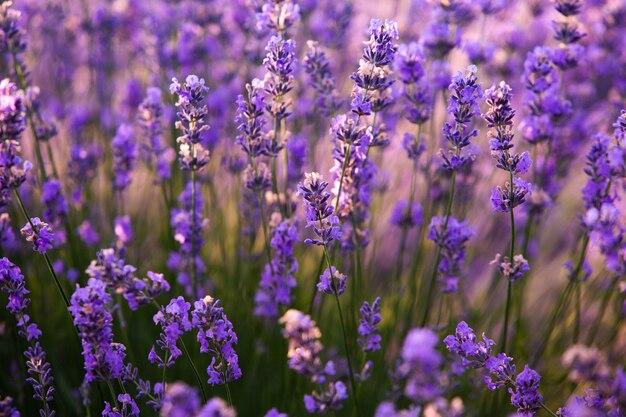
<point>272,208</point>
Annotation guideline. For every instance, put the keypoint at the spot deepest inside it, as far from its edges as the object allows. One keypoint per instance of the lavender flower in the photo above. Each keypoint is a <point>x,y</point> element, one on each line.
<point>192,111</point>
<point>420,366</point>
<point>318,213</point>
<point>56,208</point>
<point>180,400</point>
<point>463,106</point>
<point>250,120</point>
<point>305,347</point>
<point>407,216</point>
<point>217,338</point>
<point>189,233</point>
<point>329,400</point>
<point>279,63</point>
<point>12,169</point>
<point>38,368</point>
<point>39,233</point>
<point>149,116</point>
<point>277,16</point>
<point>450,235</point>
<point>124,147</point>
<point>12,110</point>
<point>523,388</point>
<point>500,117</point>
<point>512,271</point>
<point>416,90</point>
<point>372,79</point>
<point>332,282</point>
<point>104,359</point>
<point>7,409</point>
<point>128,407</point>
<point>370,338</point>
<point>277,279</point>
<point>174,321</point>
<point>317,66</point>
<point>110,269</point>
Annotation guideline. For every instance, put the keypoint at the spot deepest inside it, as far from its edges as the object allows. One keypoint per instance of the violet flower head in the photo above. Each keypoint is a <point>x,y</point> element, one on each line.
<point>277,16</point>
<point>566,31</point>
<point>465,91</point>
<point>250,121</point>
<point>110,269</point>
<point>149,119</point>
<point>511,270</point>
<point>7,409</point>
<point>501,371</point>
<point>39,233</point>
<point>174,322</point>
<point>525,396</point>
<point>217,338</point>
<point>12,111</point>
<point>12,283</point>
<point>104,359</point>
<point>192,111</point>
<point>369,336</point>
<point>407,216</point>
<point>420,365</point>
<point>499,118</point>
<point>280,63</point>
<point>464,344</point>
<point>317,210</point>
<point>278,277</point>
<point>332,282</point>
<point>126,407</point>
<point>275,413</point>
<point>373,77</point>
<point>13,169</point>
<point>55,208</point>
<point>305,347</point>
<point>451,236</point>
<point>317,66</point>
<point>416,91</point>
<point>125,153</point>
<point>180,400</point>
<point>328,400</point>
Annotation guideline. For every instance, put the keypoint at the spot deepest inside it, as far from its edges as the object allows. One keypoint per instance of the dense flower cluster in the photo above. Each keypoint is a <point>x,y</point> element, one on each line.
<point>217,338</point>
<point>174,322</point>
<point>111,270</point>
<point>192,111</point>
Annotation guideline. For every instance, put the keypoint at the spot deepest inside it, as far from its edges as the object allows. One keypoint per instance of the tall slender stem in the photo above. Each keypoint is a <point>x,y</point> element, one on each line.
<point>194,269</point>
<point>509,289</point>
<point>195,370</point>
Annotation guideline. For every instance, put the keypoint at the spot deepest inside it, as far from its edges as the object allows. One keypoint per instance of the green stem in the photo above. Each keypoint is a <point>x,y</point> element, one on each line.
<point>345,342</point>
<point>194,272</point>
<point>606,297</point>
<point>195,371</point>
<point>509,289</point>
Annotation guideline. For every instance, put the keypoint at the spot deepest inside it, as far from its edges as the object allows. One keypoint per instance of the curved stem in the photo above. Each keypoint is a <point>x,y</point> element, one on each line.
<point>195,370</point>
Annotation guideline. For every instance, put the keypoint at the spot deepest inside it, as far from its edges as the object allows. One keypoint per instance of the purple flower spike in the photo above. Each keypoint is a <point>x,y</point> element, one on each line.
<point>39,233</point>
<point>370,337</point>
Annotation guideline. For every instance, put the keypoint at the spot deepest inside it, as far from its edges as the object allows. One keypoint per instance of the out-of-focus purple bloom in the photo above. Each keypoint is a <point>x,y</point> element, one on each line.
<point>55,207</point>
<point>369,336</point>
<point>332,282</point>
<point>149,115</point>
<point>305,347</point>
<point>406,216</point>
<point>110,269</point>
<point>277,279</point>
<point>420,365</point>
<point>192,111</point>
<point>416,90</point>
<point>174,322</point>
<point>7,409</point>
<point>217,338</point>
<point>511,271</point>
<point>123,229</point>
<point>328,400</point>
<point>124,146</point>
<point>7,236</point>
<point>87,233</point>
<point>39,233</point>
<point>12,169</point>
<point>451,236</point>
<point>12,110</point>
<point>317,66</point>
<point>188,232</point>
<point>104,359</point>
<point>275,413</point>
<point>277,16</point>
